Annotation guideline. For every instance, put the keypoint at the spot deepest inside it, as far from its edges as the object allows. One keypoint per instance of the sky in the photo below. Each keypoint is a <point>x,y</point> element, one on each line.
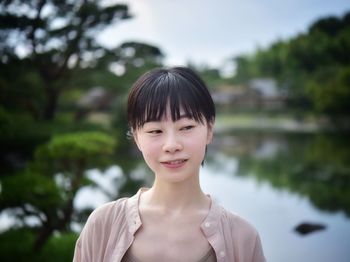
<point>211,32</point>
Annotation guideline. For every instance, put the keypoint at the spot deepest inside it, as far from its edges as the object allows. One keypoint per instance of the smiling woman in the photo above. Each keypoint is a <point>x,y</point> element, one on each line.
<point>171,116</point>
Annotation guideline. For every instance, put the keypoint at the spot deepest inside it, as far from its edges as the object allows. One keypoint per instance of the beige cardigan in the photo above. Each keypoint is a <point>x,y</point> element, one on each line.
<point>110,229</point>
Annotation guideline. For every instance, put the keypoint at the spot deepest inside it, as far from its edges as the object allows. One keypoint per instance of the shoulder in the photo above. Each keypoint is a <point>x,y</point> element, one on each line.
<point>108,211</point>
<point>237,223</point>
<point>242,235</point>
<point>102,219</point>
<point>236,228</point>
<point>100,226</point>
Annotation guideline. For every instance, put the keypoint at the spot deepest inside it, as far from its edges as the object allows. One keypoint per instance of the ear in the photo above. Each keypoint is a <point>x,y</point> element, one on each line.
<point>210,132</point>
<point>135,137</point>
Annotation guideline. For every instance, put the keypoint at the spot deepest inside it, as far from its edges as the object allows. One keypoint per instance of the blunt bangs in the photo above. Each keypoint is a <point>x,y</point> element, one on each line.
<point>177,89</point>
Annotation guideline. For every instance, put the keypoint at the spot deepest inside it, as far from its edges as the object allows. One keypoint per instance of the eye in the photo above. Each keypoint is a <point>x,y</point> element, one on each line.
<point>154,132</point>
<point>189,127</point>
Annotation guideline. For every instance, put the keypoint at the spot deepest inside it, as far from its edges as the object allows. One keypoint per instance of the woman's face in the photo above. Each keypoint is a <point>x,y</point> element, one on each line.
<point>174,150</point>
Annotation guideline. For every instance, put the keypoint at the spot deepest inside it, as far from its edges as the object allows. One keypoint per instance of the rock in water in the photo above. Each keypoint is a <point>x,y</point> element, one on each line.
<point>307,228</point>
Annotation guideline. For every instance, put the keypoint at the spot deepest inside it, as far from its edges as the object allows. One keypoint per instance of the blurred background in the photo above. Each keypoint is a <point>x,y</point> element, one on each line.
<point>279,72</point>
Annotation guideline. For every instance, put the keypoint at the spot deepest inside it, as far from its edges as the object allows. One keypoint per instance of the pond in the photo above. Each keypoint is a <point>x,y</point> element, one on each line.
<point>276,181</point>
<point>280,180</point>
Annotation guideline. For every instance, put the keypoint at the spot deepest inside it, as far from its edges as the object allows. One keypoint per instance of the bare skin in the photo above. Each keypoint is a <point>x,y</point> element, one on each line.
<point>171,230</point>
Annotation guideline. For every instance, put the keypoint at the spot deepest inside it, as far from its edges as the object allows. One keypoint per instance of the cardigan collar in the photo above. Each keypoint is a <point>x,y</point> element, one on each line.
<point>208,226</point>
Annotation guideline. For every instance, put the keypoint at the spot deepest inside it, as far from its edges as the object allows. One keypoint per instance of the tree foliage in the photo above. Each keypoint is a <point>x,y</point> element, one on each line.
<point>119,67</point>
<point>312,66</point>
<point>45,190</point>
<point>48,40</point>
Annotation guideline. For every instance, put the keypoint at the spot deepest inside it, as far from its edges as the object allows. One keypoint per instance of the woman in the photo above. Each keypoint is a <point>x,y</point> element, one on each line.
<point>171,117</point>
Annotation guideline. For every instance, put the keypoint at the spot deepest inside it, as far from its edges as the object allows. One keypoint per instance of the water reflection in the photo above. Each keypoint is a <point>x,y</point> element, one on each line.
<point>279,181</point>
<point>312,165</point>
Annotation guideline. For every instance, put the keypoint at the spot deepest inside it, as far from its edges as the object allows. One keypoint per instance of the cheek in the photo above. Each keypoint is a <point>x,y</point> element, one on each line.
<point>150,155</point>
<point>198,143</point>
<point>149,150</point>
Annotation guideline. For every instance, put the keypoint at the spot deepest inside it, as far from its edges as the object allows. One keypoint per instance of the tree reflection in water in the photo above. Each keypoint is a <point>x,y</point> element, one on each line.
<point>312,165</point>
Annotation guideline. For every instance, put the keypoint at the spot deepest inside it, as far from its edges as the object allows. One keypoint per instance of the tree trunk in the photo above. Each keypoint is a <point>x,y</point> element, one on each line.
<point>51,103</point>
<point>49,227</point>
<point>44,234</point>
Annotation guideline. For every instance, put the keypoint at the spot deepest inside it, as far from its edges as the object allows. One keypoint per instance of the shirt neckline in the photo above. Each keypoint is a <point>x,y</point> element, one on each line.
<point>208,225</point>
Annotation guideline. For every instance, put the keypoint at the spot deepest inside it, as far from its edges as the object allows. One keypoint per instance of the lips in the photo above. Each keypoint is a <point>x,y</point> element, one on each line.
<point>174,163</point>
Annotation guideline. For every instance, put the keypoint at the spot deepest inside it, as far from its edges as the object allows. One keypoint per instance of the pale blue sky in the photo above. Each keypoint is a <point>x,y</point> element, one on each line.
<point>212,31</point>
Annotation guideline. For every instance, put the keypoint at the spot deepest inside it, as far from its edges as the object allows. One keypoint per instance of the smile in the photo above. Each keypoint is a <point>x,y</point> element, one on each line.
<point>174,163</point>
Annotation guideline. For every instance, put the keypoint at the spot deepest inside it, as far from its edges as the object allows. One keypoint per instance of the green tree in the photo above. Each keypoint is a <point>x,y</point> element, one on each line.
<point>329,88</point>
<point>135,58</point>
<point>47,187</point>
<point>49,39</point>
<point>312,67</point>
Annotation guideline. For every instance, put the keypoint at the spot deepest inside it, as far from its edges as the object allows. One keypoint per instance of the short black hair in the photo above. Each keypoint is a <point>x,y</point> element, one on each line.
<point>178,87</point>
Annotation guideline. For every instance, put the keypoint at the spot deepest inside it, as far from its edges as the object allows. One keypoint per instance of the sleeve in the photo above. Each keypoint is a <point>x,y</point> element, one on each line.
<point>258,255</point>
<point>245,240</point>
<point>84,246</point>
<point>93,239</point>
<point>77,252</point>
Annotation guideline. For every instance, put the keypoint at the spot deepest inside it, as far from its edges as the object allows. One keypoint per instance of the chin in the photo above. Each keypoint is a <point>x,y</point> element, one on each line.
<point>176,177</point>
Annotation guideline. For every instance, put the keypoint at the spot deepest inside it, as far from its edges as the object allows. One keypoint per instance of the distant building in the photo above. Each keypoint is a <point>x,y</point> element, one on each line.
<point>259,93</point>
<point>271,96</point>
<point>95,99</point>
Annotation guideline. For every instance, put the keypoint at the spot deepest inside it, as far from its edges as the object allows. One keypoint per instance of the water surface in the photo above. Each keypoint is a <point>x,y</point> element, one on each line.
<point>277,181</point>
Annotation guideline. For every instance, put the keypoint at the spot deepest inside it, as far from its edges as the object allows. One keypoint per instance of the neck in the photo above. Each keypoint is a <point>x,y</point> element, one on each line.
<point>176,196</point>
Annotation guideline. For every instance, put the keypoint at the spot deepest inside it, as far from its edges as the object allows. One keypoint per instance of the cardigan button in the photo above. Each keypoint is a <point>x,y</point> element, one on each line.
<point>207,224</point>
<point>222,254</point>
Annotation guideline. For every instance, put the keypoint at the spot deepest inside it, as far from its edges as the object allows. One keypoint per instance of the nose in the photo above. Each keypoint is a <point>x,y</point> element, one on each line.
<point>172,143</point>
